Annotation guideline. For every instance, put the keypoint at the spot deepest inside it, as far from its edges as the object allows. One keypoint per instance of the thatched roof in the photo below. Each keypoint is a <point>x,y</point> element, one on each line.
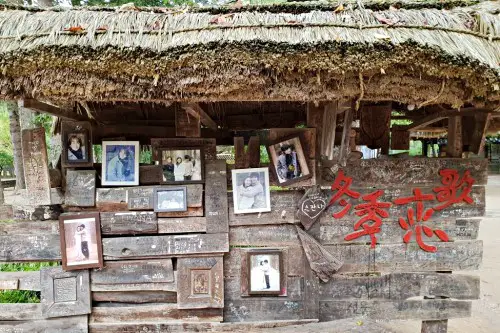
<point>320,52</point>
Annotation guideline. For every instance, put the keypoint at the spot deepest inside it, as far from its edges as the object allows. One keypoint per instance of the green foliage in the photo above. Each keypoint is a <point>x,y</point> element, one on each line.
<point>145,156</point>
<point>26,267</point>
<point>6,160</point>
<point>98,153</point>
<point>264,156</point>
<point>44,120</point>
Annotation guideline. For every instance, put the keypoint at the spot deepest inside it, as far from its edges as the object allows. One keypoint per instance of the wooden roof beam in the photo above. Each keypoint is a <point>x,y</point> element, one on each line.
<point>53,110</point>
<point>195,110</point>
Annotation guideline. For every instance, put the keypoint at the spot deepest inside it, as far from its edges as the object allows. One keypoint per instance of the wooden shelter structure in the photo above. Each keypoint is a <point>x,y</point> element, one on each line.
<point>377,233</point>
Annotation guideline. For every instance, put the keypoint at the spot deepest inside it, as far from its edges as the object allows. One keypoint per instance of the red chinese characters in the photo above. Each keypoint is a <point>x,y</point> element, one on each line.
<point>373,212</point>
<point>414,222</point>
<point>454,189</point>
<point>342,185</point>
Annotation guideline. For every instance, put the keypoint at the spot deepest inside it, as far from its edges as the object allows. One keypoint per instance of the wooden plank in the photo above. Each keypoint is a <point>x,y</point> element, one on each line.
<point>29,228</point>
<point>153,313</point>
<point>458,210</point>
<point>451,256</point>
<point>37,213</point>
<point>201,283</point>
<point>262,310</point>
<point>400,286</point>
<point>239,152</point>
<point>345,147</point>
<point>135,297</point>
<point>12,284</point>
<point>30,248</point>
<point>410,309</point>
<point>187,124</point>
<point>246,122</point>
<point>311,291</point>
<point>204,117</point>
<point>283,208</point>
<point>111,199</point>
<point>74,324</point>
<point>190,212</point>
<point>150,174</point>
<point>333,231</point>
<point>322,262</point>
<point>163,246</point>
<point>478,138</point>
<point>120,223</point>
<point>328,132</point>
<point>141,197</point>
<point>387,173</point>
<point>271,235</point>
<point>454,146</point>
<point>20,311</point>
<point>426,121</point>
<point>435,326</point>
<point>253,152</point>
<point>209,146</point>
<point>131,271</point>
<point>292,290</point>
<point>400,138</point>
<point>216,203</point>
<point>25,280</point>
<point>80,188</point>
<point>36,170</point>
<point>182,225</point>
<point>65,113</point>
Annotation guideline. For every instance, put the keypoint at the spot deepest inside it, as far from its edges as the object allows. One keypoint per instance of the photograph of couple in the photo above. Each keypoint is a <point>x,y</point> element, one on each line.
<point>182,165</point>
<point>265,273</point>
<point>80,242</point>
<point>251,190</point>
<point>120,163</point>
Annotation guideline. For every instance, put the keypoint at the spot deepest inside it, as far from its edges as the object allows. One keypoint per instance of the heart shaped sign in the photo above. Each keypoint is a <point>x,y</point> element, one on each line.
<point>313,207</point>
<point>312,204</point>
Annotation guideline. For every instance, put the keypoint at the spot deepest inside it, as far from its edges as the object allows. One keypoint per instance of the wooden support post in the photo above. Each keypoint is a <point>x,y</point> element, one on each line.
<point>187,123</point>
<point>346,135</point>
<point>328,129</point>
<point>196,110</point>
<point>478,138</point>
<point>425,147</point>
<point>375,126</point>
<point>454,148</point>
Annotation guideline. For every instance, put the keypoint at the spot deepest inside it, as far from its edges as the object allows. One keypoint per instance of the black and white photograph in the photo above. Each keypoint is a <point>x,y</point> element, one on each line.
<point>264,272</point>
<point>120,163</point>
<point>182,165</point>
<point>251,190</point>
<point>289,161</point>
<point>81,241</point>
<point>170,199</point>
<point>76,144</point>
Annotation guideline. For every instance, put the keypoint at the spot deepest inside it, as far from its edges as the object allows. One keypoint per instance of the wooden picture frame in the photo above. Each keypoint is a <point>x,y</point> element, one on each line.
<point>76,133</point>
<point>291,146</point>
<point>245,198</point>
<point>120,163</point>
<point>178,204</point>
<point>87,254</point>
<point>260,262</point>
<point>64,294</point>
<point>180,167</point>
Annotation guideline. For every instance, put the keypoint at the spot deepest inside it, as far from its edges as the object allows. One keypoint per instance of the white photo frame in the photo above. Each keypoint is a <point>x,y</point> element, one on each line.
<point>120,163</point>
<point>251,190</point>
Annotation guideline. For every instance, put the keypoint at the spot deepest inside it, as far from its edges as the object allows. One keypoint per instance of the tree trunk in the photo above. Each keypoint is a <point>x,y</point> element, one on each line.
<point>15,134</point>
<point>2,198</point>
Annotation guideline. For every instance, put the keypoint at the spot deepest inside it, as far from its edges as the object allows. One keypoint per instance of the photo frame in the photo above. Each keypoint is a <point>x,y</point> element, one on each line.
<point>288,161</point>
<point>170,199</point>
<point>120,163</point>
<point>182,165</point>
<point>81,243</point>
<point>251,190</point>
<point>76,137</point>
<point>265,272</point>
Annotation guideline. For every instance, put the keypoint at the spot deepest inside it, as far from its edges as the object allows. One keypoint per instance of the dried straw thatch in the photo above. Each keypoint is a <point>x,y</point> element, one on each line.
<point>419,56</point>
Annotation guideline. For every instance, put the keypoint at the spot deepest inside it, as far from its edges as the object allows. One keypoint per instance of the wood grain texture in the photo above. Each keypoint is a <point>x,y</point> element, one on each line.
<point>216,203</point>
<point>153,313</point>
<point>394,172</point>
<point>233,290</point>
<point>209,146</point>
<point>111,199</point>
<point>134,271</point>
<point>30,248</point>
<point>75,324</point>
<point>36,169</point>
<point>142,197</point>
<point>451,256</point>
<point>411,309</point>
<point>283,210</point>
<point>80,188</point>
<point>434,326</point>
<point>332,231</point>
<point>19,311</point>
<point>29,228</point>
<point>186,124</point>
<point>269,235</point>
<point>400,286</point>
<point>135,297</point>
<point>191,212</point>
<point>181,225</point>
<point>262,310</point>
<point>36,213</point>
<point>163,246</point>
<point>25,280</point>
<point>150,174</point>
<point>121,223</point>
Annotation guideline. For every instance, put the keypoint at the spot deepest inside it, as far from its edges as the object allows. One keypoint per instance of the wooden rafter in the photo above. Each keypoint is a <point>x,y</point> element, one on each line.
<point>195,110</point>
<point>63,113</point>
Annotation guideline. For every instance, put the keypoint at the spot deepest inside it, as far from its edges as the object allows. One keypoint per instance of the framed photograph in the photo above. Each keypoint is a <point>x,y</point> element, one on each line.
<point>182,165</point>
<point>251,190</point>
<point>265,272</point>
<point>81,245</point>
<point>120,163</point>
<point>76,139</point>
<point>288,161</point>
<point>170,199</point>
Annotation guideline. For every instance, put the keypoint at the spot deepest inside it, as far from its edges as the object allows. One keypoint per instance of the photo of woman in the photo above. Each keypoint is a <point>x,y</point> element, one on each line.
<point>289,161</point>
<point>120,163</point>
<point>182,165</point>
<point>76,139</point>
<point>76,148</point>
